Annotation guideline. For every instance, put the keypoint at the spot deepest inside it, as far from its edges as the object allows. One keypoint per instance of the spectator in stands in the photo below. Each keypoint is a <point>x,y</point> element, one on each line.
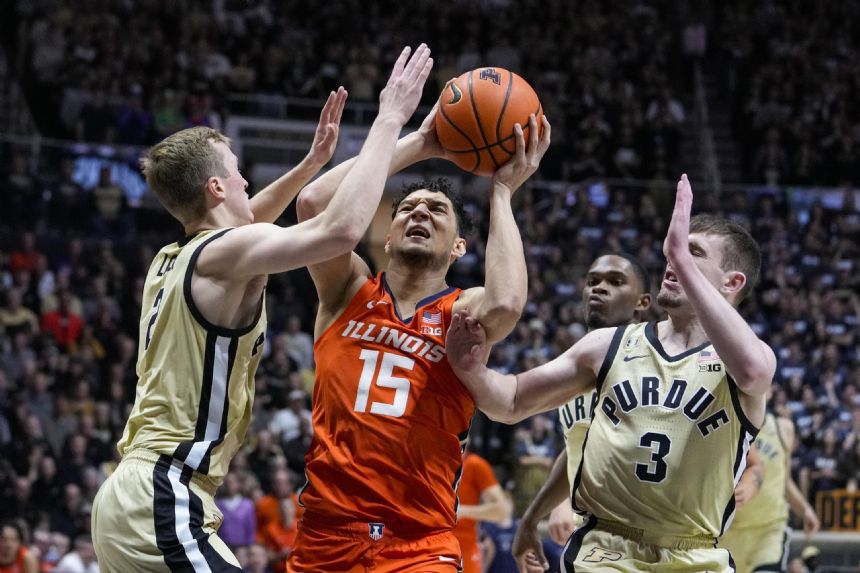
<point>239,525</point>
<point>258,560</point>
<point>81,560</point>
<point>277,518</point>
<point>536,451</point>
<point>14,555</point>
<point>63,324</point>
<point>14,317</point>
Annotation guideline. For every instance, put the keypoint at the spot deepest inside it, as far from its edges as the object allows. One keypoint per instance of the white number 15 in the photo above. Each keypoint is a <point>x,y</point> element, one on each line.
<point>384,380</point>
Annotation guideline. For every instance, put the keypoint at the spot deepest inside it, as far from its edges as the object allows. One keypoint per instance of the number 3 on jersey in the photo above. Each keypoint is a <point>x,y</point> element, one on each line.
<point>384,380</point>
<point>657,470</point>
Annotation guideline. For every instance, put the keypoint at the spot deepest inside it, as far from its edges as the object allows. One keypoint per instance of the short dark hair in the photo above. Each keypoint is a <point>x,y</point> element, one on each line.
<point>741,252</point>
<point>443,186</point>
<point>641,273</point>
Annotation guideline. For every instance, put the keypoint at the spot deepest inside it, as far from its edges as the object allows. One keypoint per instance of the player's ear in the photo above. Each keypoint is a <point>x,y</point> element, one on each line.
<point>733,283</point>
<point>387,246</point>
<point>214,189</point>
<point>644,302</point>
<point>459,248</point>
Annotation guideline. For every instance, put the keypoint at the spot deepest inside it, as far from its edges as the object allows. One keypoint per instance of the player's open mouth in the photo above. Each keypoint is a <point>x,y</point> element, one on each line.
<point>418,232</point>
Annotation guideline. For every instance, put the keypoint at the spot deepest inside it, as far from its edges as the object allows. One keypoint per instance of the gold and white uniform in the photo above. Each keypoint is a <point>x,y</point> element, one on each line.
<point>666,447</point>
<point>192,408</point>
<point>758,538</point>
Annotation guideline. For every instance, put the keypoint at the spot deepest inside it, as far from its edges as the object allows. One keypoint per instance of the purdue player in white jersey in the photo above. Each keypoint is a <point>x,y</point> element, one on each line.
<point>679,403</point>
<point>758,538</point>
<point>616,292</point>
<point>203,325</point>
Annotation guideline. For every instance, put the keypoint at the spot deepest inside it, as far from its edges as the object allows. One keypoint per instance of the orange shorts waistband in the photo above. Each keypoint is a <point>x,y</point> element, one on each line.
<point>350,527</point>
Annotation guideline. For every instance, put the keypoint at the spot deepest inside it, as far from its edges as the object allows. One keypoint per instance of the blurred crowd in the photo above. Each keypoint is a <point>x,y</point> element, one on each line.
<point>73,255</point>
<point>69,326</point>
<point>791,70</point>
<point>133,72</point>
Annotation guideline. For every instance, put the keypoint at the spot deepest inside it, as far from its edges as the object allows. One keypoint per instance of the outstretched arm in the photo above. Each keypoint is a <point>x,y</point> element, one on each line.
<point>499,304</point>
<point>509,398</point>
<point>337,278</point>
<point>268,204</point>
<point>259,249</point>
<point>750,361</point>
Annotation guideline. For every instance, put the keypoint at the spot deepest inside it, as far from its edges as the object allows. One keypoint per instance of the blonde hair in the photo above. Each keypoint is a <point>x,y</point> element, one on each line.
<point>177,168</point>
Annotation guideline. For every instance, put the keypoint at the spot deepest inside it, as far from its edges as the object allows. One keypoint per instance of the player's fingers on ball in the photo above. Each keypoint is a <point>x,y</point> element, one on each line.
<point>546,136</point>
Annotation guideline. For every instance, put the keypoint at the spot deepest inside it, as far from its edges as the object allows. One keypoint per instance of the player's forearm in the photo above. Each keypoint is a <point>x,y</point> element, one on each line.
<point>494,511</point>
<point>555,491</point>
<point>494,393</point>
<point>506,285</point>
<point>745,357</point>
<point>357,196</point>
<point>315,197</point>
<point>268,204</point>
<point>795,497</point>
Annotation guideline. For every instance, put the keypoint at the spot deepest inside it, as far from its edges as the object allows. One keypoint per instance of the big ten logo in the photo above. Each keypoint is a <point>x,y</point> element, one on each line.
<point>434,330</point>
<point>492,75</point>
<point>838,510</point>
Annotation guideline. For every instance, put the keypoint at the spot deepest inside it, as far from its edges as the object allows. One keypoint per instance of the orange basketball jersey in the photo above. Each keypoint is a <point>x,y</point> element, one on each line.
<point>390,417</point>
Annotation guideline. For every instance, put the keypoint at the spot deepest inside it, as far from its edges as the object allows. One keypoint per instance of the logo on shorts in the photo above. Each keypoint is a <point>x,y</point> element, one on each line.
<point>376,530</point>
<point>598,555</point>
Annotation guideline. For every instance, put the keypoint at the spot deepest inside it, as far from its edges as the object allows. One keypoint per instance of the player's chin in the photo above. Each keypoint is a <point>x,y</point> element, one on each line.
<point>669,299</point>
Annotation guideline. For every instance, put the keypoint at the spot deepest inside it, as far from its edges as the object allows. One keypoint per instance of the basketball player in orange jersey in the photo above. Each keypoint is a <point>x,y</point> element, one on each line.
<point>204,323</point>
<point>390,417</point>
<point>481,499</point>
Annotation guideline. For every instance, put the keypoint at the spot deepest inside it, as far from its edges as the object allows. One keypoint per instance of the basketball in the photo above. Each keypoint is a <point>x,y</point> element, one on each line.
<point>476,117</point>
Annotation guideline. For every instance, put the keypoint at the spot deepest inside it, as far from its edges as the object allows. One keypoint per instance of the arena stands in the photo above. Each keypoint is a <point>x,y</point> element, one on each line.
<point>77,229</point>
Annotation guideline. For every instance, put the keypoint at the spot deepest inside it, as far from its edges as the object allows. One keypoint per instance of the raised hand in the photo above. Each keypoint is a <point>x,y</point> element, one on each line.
<point>429,140</point>
<point>402,93</point>
<point>466,343</point>
<point>325,137</point>
<point>525,160</point>
<point>677,241</point>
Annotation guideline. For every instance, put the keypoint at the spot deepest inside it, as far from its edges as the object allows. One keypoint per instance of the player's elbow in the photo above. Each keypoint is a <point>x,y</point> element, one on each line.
<point>500,317</point>
<point>753,378</point>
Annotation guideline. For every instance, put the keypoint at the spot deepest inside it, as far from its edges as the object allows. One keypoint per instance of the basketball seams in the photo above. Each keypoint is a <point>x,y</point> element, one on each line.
<point>502,113</point>
<point>478,120</point>
<point>474,149</point>
<point>461,131</point>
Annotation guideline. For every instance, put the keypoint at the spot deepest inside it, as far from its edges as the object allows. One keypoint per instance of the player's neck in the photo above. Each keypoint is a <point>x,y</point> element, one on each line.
<point>411,285</point>
<point>680,332</point>
<point>214,219</point>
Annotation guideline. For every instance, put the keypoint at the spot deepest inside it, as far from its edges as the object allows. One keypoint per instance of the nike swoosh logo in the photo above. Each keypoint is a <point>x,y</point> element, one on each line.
<point>373,303</point>
<point>447,559</point>
<point>456,93</point>
<point>629,358</point>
